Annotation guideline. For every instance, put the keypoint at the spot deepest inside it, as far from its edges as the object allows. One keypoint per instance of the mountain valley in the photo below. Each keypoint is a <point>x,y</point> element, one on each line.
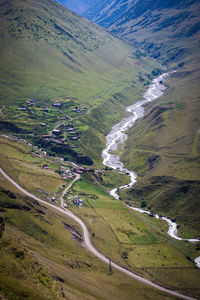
<point>65,81</point>
<point>164,146</point>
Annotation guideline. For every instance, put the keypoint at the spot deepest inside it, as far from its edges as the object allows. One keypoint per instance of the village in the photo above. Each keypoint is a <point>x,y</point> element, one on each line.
<point>67,131</point>
<point>69,174</point>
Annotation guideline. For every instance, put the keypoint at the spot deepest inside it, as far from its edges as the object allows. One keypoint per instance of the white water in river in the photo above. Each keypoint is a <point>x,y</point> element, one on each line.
<point>118,136</point>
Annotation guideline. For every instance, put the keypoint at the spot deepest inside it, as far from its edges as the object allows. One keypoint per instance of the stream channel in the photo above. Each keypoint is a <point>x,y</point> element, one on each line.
<point>117,137</point>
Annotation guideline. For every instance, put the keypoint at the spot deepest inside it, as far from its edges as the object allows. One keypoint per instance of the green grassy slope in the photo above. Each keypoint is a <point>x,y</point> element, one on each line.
<point>50,54</point>
<point>164,146</point>
<point>40,258</point>
<point>47,51</point>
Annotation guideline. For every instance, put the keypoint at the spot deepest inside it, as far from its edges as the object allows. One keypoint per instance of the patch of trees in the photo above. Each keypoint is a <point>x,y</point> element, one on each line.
<point>8,126</point>
<point>143,204</point>
<point>125,254</point>
<point>85,160</point>
<point>156,72</point>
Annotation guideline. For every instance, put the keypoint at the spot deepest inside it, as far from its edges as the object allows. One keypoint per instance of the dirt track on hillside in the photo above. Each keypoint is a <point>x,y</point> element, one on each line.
<point>88,243</point>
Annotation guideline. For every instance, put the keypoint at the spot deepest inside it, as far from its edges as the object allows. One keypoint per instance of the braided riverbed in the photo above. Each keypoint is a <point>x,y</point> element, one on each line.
<point>117,136</point>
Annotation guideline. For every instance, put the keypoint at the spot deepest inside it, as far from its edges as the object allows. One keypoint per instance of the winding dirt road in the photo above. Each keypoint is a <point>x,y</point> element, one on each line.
<point>87,240</point>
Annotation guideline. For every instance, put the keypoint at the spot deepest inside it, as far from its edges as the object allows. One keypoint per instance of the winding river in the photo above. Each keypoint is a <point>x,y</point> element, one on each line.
<point>117,136</point>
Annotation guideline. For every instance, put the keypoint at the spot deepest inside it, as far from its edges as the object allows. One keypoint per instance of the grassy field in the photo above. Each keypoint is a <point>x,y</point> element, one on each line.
<point>27,169</point>
<point>135,241</point>
<point>40,258</point>
<point>138,242</point>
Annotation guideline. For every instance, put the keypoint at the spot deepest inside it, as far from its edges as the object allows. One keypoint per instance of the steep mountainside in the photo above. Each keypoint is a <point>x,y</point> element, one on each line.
<point>163,28</point>
<point>78,6</point>
<point>48,54</point>
<point>64,82</point>
<point>41,250</point>
<point>52,50</point>
<point>164,146</point>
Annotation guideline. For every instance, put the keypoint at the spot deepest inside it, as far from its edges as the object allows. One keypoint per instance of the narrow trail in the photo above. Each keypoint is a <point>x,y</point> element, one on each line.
<point>66,189</point>
<point>88,242</point>
<point>1,110</point>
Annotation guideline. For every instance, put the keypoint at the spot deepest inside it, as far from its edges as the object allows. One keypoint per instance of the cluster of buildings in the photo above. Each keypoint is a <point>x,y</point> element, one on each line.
<point>31,101</point>
<point>77,201</point>
<point>73,134</point>
<point>56,104</point>
<point>66,173</point>
<point>81,110</point>
<point>58,136</point>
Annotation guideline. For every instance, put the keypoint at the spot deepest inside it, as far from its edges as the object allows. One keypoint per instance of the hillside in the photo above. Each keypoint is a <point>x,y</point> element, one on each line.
<point>52,51</point>
<point>42,251</point>
<point>163,148</point>
<point>64,82</point>
<point>49,54</point>
<point>165,29</point>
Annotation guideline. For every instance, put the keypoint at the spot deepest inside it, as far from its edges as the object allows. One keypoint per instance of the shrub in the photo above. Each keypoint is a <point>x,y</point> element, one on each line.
<point>125,254</point>
<point>143,204</point>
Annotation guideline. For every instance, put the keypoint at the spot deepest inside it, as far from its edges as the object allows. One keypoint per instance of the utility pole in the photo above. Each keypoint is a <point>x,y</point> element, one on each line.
<point>110,272</point>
